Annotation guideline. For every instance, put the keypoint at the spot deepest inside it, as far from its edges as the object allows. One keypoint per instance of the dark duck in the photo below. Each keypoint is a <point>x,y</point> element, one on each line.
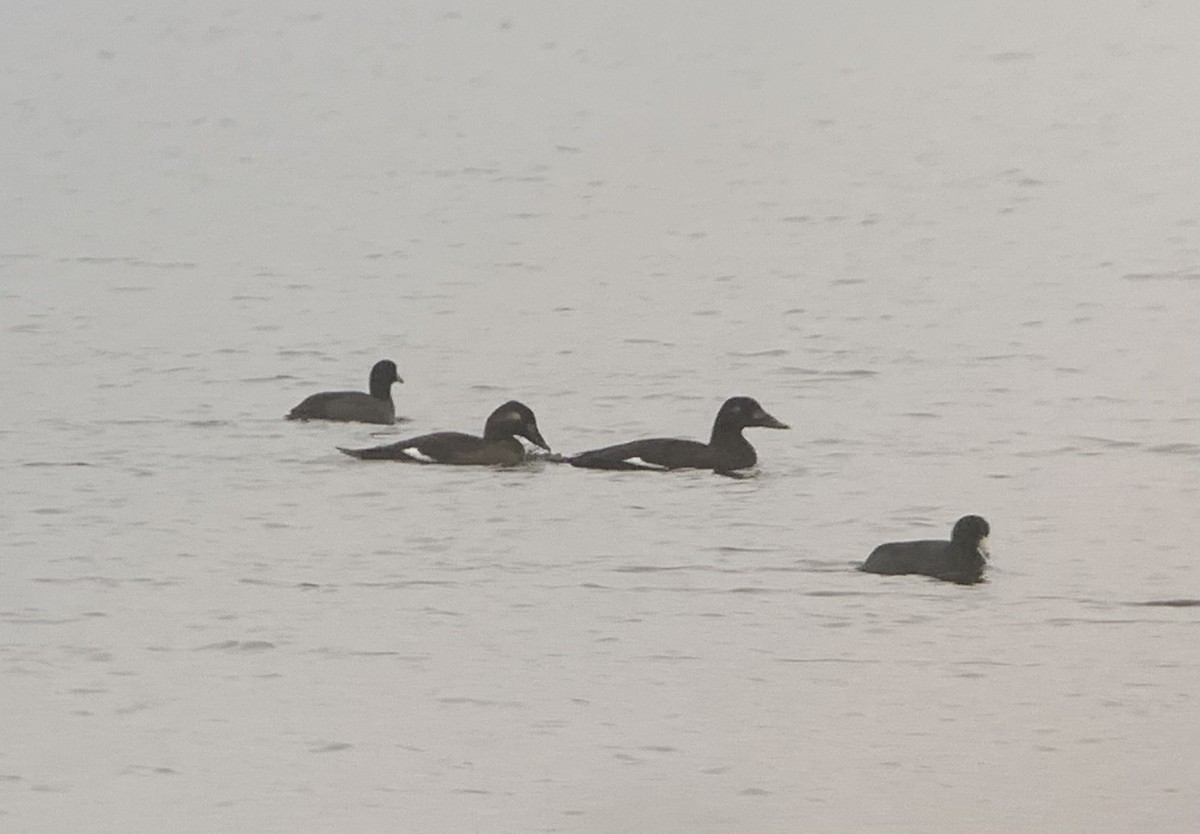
<point>498,446</point>
<point>726,450</point>
<point>355,406</point>
<point>961,560</point>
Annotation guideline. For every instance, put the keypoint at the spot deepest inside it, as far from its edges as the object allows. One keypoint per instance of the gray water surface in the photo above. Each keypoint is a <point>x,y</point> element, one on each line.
<point>955,248</point>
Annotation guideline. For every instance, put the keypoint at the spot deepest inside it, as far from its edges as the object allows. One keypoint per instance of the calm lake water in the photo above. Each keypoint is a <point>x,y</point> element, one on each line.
<point>956,248</point>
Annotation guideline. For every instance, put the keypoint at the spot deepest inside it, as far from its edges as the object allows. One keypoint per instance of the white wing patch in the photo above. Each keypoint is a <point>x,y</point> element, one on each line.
<point>643,464</point>
<point>983,547</point>
<point>416,454</point>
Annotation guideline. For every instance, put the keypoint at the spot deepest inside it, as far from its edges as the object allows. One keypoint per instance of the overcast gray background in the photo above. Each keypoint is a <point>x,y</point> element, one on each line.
<point>955,246</point>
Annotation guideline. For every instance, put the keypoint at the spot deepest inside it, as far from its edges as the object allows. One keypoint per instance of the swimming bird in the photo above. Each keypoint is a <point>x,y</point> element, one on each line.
<point>354,406</point>
<point>726,451</point>
<point>498,446</point>
<point>961,560</point>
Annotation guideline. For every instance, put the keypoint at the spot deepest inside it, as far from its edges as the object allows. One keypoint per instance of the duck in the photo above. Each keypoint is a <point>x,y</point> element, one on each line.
<point>961,560</point>
<point>355,406</point>
<point>726,451</point>
<point>498,446</point>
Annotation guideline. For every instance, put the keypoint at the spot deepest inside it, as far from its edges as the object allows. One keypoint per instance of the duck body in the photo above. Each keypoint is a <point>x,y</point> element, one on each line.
<point>345,407</point>
<point>498,446</point>
<point>375,406</point>
<point>666,453</point>
<point>726,451</point>
<point>961,560</point>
